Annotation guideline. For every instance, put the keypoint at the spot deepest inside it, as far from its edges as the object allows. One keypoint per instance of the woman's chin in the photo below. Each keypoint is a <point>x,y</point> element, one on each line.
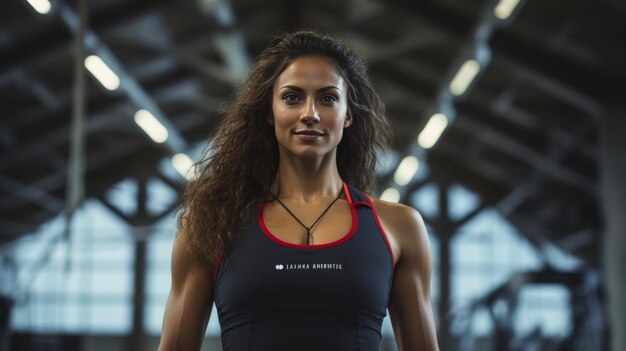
<point>314,153</point>
<point>310,155</point>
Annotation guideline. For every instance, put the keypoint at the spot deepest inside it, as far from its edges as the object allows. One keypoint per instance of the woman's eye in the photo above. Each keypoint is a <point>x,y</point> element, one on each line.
<point>290,98</point>
<point>329,99</point>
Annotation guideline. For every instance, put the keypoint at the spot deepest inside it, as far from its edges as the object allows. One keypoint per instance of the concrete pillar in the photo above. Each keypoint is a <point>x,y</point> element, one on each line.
<point>5,320</point>
<point>613,170</point>
<point>141,231</point>
<point>137,335</point>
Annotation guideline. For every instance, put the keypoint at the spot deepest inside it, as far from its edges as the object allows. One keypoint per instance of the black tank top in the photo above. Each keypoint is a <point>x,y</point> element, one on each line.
<point>276,296</point>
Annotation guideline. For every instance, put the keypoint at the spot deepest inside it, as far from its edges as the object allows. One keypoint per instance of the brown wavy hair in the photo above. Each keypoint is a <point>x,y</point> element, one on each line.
<point>240,163</point>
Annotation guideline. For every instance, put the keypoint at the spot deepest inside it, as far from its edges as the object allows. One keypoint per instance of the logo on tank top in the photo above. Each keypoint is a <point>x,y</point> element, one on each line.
<point>309,266</point>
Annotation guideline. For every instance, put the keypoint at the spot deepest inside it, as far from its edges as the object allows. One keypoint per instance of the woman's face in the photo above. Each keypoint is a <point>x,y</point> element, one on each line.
<point>309,107</point>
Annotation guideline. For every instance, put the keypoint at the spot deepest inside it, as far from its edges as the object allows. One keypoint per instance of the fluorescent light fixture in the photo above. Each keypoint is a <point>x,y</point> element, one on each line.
<point>41,6</point>
<point>155,130</point>
<point>505,8</point>
<point>102,72</point>
<point>406,170</point>
<point>464,77</point>
<point>184,165</point>
<point>391,195</point>
<point>433,130</point>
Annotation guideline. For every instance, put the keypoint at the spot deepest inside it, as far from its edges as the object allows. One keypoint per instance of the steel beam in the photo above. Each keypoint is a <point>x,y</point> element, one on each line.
<point>547,166</point>
<point>129,85</point>
<point>29,193</point>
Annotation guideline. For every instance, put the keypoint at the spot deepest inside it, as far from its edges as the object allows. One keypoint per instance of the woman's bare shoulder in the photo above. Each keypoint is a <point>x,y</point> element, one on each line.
<point>403,224</point>
<point>398,215</point>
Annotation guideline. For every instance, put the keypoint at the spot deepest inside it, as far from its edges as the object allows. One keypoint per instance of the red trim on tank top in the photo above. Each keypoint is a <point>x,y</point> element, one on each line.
<point>382,232</point>
<point>347,193</point>
<point>343,239</point>
<point>217,267</point>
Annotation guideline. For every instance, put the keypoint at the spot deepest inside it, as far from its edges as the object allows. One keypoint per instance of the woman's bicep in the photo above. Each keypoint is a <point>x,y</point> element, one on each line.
<point>409,305</point>
<point>189,303</point>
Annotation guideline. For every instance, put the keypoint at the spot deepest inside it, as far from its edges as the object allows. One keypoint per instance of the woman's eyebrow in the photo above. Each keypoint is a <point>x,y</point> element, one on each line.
<point>320,90</point>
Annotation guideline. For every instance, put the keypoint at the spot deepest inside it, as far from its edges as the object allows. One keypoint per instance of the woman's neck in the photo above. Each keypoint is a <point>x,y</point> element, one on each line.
<point>307,180</point>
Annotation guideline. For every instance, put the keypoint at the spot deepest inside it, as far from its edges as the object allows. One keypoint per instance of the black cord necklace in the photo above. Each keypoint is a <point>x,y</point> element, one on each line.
<point>308,229</point>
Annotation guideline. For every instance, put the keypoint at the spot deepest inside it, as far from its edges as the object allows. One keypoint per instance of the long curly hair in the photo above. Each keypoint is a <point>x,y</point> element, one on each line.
<point>240,162</point>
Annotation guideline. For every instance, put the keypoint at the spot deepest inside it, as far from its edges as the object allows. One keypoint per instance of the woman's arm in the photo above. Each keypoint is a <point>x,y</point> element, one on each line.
<point>189,303</point>
<point>410,309</point>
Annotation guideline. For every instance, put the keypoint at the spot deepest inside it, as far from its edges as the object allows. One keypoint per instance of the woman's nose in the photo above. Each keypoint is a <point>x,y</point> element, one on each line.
<point>309,114</point>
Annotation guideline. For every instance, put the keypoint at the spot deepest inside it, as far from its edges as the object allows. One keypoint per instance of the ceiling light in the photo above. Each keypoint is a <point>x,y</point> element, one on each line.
<point>464,77</point>
<point>155,130</point>
<point>406,170</point>
<point>184,165</point>
<point>432,131</point>
<point>41,6</point>
<point>505,8</point>
<point>102,72</point>
<point>391,195</point>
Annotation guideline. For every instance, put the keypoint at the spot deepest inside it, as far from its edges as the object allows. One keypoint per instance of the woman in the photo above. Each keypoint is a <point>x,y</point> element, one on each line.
<point>275,230</point>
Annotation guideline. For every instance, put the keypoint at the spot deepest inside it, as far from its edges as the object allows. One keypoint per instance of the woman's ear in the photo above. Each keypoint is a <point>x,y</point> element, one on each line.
<point>270,119</point>
<point>348,121</point>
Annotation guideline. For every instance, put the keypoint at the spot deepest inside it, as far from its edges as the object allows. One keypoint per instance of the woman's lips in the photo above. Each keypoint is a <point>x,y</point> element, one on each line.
<point>309,135</point>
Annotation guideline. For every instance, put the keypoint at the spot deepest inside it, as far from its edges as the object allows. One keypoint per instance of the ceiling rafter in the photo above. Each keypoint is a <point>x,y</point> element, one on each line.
<point>546,165</point>
<point>29,193</point>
